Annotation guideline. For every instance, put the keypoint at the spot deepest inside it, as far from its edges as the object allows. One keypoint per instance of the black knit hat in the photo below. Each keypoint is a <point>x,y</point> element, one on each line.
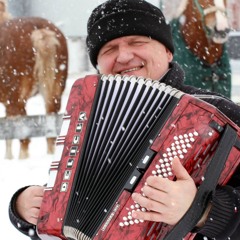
<point>118,18</point>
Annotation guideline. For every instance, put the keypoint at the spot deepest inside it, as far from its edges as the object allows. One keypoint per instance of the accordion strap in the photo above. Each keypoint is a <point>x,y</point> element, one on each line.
<point>211,177</point>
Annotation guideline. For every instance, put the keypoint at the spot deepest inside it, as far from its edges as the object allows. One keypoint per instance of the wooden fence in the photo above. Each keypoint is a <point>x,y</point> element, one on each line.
<point>30,126</point>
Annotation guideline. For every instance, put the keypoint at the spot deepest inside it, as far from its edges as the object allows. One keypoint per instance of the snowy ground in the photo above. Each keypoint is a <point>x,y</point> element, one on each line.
<point>17,173</point>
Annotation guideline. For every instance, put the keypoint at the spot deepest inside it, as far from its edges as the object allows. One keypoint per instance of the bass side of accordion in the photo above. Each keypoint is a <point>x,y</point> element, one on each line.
<point>117,131</point>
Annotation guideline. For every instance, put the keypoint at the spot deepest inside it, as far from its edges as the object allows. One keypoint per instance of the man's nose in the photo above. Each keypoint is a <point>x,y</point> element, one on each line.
<point>124,54</point>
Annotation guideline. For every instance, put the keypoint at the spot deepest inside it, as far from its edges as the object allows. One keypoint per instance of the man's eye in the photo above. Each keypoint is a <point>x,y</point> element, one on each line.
<point>108,51</point>
<point>138,43</point>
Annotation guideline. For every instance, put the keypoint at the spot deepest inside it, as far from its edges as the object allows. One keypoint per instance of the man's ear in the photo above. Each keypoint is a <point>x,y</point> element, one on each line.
<point>169,54</point>
<point>98,71</point>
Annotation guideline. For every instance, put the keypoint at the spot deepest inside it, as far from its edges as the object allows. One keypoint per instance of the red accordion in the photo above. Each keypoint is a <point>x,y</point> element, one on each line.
<point>117,131</point>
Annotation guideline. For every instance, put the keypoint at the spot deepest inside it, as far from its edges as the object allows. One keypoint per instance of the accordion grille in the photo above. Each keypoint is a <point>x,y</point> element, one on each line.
<point>126,116</point>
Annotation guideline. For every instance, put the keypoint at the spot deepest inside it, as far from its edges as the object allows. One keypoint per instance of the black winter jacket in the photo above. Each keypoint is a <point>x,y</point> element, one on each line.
<point>224,218</point>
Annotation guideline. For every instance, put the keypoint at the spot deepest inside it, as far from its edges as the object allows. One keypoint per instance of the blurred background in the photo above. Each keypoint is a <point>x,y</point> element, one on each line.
<point>71,17</point>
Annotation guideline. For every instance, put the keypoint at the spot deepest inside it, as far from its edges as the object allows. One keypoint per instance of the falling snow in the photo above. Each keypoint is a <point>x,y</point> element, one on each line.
<point>15,173</point>
<point>18,173</point>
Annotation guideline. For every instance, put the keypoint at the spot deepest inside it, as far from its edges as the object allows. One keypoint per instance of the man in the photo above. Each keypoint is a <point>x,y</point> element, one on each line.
<point>131,37</point>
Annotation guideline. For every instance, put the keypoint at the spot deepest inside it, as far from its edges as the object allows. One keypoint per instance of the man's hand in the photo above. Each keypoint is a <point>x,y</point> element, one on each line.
<point>29,202</point>
<point>166,200</point>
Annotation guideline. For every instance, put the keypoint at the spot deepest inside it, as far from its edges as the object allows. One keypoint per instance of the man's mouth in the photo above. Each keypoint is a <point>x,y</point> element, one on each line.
<point>130,70</point>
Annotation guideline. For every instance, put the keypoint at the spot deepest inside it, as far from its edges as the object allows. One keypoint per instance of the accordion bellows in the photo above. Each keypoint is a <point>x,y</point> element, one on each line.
<point>117,131</point>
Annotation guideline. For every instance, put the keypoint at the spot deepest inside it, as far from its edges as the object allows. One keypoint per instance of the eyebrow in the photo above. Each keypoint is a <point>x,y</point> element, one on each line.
<point>132,38</point>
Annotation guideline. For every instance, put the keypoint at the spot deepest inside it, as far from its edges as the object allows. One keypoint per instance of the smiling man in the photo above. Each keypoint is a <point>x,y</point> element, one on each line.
<point>134,55</point>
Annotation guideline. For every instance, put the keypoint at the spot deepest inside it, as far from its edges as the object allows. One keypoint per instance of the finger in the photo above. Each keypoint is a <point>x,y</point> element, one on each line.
<point>162,184</point>
<point>148,216</point>
<point>32,220</point>
<point>38,191</point>
<point>154,194</point>
<point>147,203</point>
<point>31,215</point>
<point>34,212</point>
<point>179,171</point>
<point>37,202</point>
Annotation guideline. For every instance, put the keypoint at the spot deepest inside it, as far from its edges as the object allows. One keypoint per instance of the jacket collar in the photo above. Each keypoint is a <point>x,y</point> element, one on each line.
<point>175,76</point>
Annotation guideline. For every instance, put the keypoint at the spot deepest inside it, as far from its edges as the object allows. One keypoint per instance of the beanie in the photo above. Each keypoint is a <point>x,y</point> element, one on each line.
<point>118,18</point>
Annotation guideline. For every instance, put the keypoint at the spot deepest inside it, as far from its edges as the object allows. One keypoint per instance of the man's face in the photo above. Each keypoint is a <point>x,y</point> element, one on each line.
<point>134,55</point>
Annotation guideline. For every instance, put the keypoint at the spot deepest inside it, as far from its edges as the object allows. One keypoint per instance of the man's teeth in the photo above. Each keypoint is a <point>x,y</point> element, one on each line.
<point>130,70</point>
